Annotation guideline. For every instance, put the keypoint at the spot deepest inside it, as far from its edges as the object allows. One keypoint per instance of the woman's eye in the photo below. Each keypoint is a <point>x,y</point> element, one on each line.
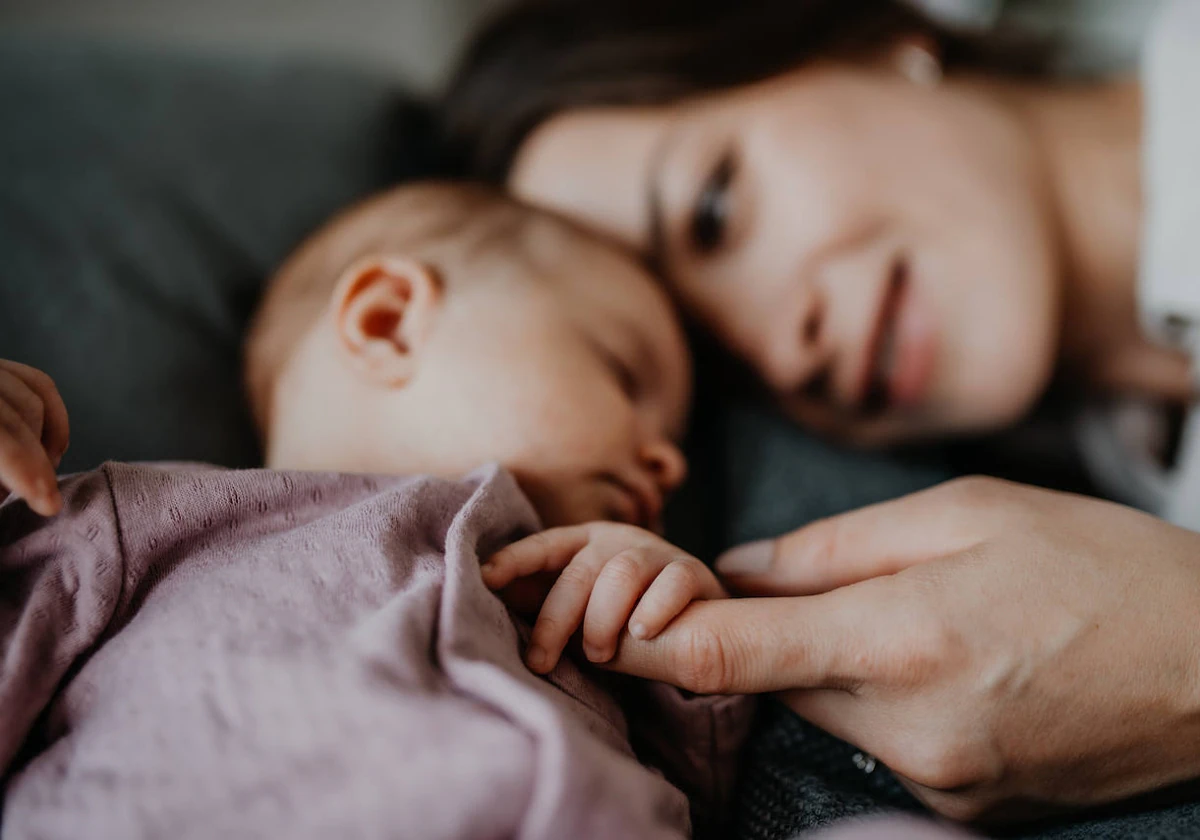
<point>711,215</point>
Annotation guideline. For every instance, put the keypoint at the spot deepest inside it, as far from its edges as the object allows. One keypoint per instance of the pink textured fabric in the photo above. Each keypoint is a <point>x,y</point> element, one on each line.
<point>192,652</point>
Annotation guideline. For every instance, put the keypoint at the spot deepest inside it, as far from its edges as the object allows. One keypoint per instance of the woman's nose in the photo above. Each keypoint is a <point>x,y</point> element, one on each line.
<point>798,353</point>
<point>665,463</point>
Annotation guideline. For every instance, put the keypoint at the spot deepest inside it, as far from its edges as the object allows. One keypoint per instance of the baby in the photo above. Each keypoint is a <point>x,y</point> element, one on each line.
<point>437,329</point>
<point>310,650</point>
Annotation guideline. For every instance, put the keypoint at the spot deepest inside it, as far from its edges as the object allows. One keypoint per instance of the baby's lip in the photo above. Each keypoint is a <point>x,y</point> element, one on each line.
<point>649,501</point>
<point>645,502</point>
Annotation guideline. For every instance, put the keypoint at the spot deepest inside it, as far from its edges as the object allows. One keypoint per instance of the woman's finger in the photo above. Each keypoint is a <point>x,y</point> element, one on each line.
<point>755,645</point>
<point>56,428</point>
<point>871,542</point>
<point>24,467</point>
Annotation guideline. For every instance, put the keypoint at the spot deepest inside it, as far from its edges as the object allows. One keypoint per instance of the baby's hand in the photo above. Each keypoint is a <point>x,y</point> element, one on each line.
<point>33,436</point>
<point>608,575</point>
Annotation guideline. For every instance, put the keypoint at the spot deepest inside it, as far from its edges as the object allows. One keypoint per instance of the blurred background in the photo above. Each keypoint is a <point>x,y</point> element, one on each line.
<point>414,39</point>
<point>417,40</point>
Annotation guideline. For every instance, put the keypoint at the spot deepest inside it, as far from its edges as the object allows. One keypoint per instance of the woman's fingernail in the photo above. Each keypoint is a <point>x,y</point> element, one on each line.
<point>749,559</point>
<point>535,657</point>
<point>638,631</point>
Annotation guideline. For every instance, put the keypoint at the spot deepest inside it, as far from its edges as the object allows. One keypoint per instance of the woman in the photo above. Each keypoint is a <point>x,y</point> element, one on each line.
<point>907,238</point>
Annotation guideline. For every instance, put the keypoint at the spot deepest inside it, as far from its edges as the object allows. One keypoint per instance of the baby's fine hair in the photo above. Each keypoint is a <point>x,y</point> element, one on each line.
<point>445,224</point>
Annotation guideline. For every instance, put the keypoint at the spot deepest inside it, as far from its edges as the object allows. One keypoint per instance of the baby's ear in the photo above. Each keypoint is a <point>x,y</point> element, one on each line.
<point>383,309</point>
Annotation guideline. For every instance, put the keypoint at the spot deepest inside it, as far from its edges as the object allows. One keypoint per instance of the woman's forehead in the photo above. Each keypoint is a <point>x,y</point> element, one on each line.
<point>594,165</point>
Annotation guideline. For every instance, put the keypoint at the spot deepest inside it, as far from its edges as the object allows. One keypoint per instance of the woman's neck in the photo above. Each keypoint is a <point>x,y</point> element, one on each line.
<point>1089,138</point>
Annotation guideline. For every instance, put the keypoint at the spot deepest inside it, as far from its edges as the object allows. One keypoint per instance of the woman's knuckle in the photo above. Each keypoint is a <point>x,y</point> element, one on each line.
<point>942,763</point>
<point>703,662</point>
<point>958,807</point>
<point>928,650</point>
<point>825,539</point>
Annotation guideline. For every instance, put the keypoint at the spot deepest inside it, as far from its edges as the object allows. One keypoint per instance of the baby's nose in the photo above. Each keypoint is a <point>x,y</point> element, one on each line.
<point>666,464</point>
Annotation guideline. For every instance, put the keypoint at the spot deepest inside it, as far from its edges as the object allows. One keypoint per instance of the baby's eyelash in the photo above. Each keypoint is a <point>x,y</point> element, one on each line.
<point>625,377</point>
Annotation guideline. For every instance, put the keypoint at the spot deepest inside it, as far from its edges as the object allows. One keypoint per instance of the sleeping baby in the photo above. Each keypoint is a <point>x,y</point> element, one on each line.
<point>315,649</point>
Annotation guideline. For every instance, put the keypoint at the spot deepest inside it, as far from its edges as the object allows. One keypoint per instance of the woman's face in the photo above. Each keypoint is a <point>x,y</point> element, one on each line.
<point>881,252</point>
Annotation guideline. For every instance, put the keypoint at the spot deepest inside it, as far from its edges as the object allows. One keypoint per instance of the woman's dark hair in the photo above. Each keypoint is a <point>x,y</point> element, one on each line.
<point>536,58</point>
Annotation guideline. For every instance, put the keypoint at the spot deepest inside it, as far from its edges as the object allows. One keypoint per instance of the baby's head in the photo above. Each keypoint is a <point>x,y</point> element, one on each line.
<point>438,327</point>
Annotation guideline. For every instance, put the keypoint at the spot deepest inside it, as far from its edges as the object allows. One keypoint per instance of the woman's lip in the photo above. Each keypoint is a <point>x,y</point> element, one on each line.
<point>903,379</point>
<point>871,392</point>
<point>915,351</point>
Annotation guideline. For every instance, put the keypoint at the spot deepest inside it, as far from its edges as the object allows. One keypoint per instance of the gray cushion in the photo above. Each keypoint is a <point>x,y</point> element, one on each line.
<point>143,199</point>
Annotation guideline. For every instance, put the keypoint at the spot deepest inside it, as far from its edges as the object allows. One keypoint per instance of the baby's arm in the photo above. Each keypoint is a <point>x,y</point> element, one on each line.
<point>33,436</point>
<point>609,576</point>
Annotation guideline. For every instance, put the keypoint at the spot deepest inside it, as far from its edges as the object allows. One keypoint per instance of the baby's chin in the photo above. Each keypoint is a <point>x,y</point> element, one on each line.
<point>563,512</point>
<point>560,505</point>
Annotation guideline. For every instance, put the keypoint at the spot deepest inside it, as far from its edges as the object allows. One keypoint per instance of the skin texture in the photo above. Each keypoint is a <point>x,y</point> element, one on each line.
<point>786,214</point>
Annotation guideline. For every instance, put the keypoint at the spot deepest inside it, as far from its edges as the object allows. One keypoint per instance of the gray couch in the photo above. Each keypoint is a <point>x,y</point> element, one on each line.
<point>145,196</point>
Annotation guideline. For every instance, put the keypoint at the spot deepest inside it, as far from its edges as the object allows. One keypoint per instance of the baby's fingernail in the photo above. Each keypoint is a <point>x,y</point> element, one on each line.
<point>535,658</point>
<point>749,559</point>
<point>638,631</point>
<point>48,496</point>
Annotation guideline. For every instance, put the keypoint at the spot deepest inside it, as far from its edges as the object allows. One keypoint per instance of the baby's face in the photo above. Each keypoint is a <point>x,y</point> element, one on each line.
<point>562,360</point>
<point>573,372</point>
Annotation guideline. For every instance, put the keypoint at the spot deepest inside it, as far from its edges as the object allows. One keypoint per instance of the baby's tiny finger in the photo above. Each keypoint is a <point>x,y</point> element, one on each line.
<point>24,467</point>
<point>618,587</point>
<point>562,611</point>
<point>542,552</point>
<point>679,584</point>
<point>55,425</point>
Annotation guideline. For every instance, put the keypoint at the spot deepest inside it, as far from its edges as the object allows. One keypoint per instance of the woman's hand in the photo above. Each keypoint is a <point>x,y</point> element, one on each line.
<point>33,436</point>
<point>995,645</point>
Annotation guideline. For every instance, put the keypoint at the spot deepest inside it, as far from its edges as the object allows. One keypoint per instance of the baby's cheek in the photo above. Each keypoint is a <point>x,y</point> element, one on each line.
<point>580,428</point>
